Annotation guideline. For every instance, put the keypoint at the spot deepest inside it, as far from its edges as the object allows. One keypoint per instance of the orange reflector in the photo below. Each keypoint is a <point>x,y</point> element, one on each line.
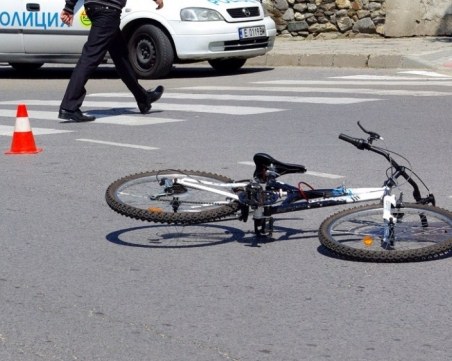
<point>368,240</point>
<point>155,210</point>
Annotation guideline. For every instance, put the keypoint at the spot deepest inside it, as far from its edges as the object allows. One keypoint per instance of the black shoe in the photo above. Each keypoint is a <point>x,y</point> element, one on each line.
<point>75,116</point>
<point>152,96</point>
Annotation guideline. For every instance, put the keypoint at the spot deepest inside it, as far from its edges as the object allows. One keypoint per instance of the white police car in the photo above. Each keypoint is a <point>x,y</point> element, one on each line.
<point>223,32</point>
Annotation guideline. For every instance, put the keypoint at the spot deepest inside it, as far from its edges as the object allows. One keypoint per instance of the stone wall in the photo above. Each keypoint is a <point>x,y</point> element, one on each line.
<point>418,18</point>
<point>350,18</point>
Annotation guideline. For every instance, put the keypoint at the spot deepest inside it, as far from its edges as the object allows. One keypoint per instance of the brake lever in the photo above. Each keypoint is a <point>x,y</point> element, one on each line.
<point>372,135</point>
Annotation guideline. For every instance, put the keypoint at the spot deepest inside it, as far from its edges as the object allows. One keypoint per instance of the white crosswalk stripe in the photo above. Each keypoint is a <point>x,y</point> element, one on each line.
<point>102,118</point>
<point>247,98</point>
<point>161,106</point>
<point>414,75</point>
<point>405,82</point>
<point>8,130</point>
<point>289,89</point>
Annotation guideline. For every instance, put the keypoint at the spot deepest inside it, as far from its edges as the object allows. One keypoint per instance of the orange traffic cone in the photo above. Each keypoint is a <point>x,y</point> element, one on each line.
<point>23,141</point>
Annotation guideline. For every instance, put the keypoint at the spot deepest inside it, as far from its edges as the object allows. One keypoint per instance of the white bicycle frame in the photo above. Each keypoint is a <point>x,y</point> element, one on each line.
<point>351,195</point>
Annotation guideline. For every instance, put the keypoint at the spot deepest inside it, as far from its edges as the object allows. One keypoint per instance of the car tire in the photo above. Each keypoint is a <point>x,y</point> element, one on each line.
<point>227,66</point>
<point>151,52</point>
<point>26,67</point>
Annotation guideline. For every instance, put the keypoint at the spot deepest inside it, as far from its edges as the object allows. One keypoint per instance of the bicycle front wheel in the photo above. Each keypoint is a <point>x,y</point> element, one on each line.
<point>144,196</point>
<point>420,232</point>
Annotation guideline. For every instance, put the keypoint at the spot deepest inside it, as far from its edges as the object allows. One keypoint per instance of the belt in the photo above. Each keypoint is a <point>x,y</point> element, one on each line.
<point>102,7</point>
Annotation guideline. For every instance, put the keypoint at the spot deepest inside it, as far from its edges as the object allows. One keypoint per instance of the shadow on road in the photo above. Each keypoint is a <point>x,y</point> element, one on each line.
<point>175,236</point>
<point>107,71</point>
<point>194,236</point>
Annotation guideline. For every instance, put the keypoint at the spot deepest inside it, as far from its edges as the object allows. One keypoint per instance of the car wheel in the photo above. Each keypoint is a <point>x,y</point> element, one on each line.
<point>227,65</point>
<point>25,67</point>
<point>150,52</point>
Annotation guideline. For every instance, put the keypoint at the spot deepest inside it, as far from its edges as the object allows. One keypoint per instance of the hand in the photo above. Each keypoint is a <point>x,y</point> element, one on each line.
<point>159,3</point>
<point>66,18</point>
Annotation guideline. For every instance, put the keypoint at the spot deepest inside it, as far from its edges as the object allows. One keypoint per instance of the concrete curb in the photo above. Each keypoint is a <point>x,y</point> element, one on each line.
<point>375,53</point>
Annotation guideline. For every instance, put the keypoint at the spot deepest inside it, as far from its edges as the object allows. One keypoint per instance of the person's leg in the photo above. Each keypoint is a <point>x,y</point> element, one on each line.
<point>120,56</point>
<point>104,25</point>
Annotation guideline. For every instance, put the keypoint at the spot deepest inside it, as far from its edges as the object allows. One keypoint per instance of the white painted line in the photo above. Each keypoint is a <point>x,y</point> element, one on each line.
<point>9,130</point>
<point>311,173</point>
<point>197,108</point>
<point>45,131</point>
<point>426,73</point>
<point>290,99</point>
<point>144,147</point>
<point>246,162</point>
<point>379,92</point>
<point>101,118</point>
<point>111,95</point>
<point>324,175</point>
<point>358,82</point>
<point>132,120</point>
<point>32,114</point>
<point>258,98</point>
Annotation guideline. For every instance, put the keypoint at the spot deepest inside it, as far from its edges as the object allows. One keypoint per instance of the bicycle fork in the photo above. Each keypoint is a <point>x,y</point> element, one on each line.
<point>263,221</point>
<point>389,202</point>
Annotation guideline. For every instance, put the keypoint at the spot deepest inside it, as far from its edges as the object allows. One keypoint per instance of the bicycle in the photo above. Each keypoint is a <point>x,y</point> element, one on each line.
<point>390,230</point>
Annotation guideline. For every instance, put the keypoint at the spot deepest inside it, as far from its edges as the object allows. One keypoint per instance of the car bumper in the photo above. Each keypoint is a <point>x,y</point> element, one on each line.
<point>203,41</point>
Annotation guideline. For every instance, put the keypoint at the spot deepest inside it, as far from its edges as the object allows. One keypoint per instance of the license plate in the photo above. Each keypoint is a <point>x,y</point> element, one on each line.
<point>252,32</point>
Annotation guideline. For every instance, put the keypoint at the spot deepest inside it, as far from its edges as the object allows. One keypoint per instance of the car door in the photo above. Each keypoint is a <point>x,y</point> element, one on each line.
<point>11,38</point>
<point>45,33</point>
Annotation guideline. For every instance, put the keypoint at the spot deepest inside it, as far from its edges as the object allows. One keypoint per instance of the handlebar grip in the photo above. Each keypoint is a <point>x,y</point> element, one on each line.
<point>358,143</point>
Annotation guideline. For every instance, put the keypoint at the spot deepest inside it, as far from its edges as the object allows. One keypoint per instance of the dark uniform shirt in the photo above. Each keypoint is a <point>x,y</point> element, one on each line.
<point>118,4</point>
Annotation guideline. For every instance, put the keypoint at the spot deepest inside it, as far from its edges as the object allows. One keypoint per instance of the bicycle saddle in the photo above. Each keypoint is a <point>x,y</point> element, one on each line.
<point>263,161</point>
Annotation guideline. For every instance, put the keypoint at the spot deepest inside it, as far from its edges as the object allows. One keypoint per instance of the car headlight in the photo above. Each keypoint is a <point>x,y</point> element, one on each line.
<point>200,14</point>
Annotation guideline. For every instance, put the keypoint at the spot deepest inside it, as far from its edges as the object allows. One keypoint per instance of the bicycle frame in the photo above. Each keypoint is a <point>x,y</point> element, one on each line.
<point>291,199</point>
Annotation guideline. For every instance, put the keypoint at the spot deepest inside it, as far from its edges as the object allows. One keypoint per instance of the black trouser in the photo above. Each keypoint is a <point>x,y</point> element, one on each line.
<point>104,36</point>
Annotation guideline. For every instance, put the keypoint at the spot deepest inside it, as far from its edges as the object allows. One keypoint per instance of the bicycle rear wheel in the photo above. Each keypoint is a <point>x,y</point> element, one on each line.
<point>142,196</point>
<point>420,232</point>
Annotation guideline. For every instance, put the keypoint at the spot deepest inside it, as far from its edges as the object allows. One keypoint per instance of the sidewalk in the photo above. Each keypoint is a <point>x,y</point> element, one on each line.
<point>433,53</point>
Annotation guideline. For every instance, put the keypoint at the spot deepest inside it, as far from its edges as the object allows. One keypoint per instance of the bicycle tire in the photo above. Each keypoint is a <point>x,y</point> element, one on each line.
<point>130,196</point>
<point>356,234</point>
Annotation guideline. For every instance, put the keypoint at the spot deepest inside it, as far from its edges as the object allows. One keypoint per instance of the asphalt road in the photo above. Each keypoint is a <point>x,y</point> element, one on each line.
<point>79,282</point>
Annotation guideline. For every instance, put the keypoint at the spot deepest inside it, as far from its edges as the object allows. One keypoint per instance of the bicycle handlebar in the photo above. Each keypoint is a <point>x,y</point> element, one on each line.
<point>400,170</point>
<point>358,143</point>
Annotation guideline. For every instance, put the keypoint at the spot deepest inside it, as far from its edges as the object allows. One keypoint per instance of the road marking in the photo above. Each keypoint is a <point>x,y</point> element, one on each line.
<point>324,175</point>
<point>273,89</point>
<point>9,130</point>
<point>311,173</point>
<point>32,114</point>
<point>256,98</point>
<point>102,117</point>
<point>432,82</point>
<point>127,106</point>
<point>131,120</point>
<point>135,146</point>
<point>197,108</point>
<point>424,75</point>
